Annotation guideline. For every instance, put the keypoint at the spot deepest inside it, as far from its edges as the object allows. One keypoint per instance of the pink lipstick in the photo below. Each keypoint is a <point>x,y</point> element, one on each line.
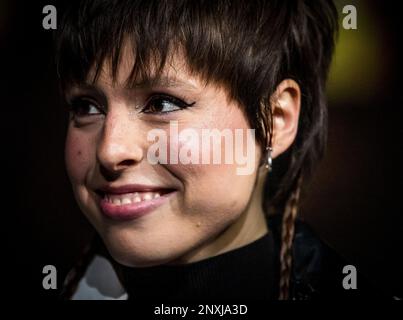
<point>130,202</point>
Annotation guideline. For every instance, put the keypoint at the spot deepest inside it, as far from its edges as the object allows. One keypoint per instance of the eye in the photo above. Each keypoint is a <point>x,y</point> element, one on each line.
<point>84,106</point>
<point>164,104</point>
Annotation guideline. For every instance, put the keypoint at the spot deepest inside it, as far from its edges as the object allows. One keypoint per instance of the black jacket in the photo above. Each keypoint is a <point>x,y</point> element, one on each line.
<point>317,271</point>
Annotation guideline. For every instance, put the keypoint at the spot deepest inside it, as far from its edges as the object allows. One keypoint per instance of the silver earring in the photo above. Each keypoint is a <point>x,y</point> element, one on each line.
<point>269,163</point>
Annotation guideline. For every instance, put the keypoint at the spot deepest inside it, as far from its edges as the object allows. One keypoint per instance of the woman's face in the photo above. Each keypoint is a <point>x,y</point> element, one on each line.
<point>146,213</point>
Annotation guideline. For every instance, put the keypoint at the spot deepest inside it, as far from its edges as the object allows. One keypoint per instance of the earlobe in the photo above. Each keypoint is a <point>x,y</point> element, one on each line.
<point>286,110</point>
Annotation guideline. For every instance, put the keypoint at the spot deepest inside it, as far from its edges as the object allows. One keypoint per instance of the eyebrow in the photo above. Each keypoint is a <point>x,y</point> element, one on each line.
<point>163,81</point>
<point>87,88</point>
<point>148,83</point>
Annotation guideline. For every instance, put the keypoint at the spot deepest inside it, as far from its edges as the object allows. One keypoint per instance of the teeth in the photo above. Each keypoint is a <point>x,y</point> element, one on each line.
<point>116,201</point>
<point>147,196</point>
<point>126,201</point>
<point>128,198</point>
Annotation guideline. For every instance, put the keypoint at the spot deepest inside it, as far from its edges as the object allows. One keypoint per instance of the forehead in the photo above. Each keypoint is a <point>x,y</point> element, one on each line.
<point>175,72</point>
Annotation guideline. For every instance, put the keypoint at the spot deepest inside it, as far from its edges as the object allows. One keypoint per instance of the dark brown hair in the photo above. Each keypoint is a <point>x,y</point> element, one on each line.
<point>248,47</point>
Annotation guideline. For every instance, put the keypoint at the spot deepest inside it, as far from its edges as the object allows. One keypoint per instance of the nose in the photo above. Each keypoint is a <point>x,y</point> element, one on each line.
<point>119,146</point>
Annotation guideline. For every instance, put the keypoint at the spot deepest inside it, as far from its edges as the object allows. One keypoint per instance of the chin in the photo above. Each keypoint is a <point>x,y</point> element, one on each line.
<point>142,252</point>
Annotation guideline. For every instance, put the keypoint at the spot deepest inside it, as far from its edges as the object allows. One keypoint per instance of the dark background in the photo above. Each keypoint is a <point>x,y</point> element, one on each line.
<point>353,203</point>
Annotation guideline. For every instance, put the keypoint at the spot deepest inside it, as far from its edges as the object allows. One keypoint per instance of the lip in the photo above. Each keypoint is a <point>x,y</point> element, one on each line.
<point>132,210</point>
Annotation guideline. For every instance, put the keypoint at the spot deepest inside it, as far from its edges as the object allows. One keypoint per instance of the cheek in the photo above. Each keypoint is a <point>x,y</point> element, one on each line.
<point>214,188</point>
<point>78,150</point>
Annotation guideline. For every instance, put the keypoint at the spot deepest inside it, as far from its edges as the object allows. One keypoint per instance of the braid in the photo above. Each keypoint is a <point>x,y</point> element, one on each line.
<point>287,235</point>
<point>77,272</point>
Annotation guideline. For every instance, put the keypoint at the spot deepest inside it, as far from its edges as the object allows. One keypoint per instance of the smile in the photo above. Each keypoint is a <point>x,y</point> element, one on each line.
<point>128,198</point>
<point>131,201</point>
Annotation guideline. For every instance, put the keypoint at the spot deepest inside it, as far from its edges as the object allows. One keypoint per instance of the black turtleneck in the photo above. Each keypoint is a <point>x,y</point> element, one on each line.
<point>246,273</point>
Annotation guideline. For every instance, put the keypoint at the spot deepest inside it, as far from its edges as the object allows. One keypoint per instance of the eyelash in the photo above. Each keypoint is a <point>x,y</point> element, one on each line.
<point>76,105</point>
<point>164,97</point>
